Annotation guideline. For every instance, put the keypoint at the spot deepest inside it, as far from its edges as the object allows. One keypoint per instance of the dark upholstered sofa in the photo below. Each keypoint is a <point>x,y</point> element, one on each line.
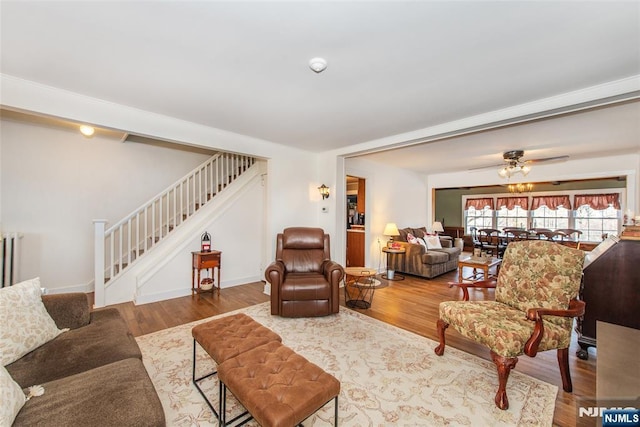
<point>92,374</point>
<point>420,261</point>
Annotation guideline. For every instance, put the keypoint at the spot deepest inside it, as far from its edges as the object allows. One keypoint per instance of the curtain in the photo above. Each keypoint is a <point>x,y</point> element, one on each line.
<point>479,204</point>
<point>512,202</point>
<point>552,202</point>
<point>598,201</point>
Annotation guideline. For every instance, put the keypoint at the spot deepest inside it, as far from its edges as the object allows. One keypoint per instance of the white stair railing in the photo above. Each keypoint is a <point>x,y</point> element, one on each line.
<point>126,241</point>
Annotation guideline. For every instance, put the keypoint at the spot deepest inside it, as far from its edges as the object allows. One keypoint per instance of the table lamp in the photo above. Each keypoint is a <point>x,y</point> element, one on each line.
<point>437,227</point>
<point>391,229</point>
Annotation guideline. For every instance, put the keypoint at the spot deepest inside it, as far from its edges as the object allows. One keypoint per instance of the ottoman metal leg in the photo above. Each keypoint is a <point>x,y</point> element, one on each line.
<point>197,380</point>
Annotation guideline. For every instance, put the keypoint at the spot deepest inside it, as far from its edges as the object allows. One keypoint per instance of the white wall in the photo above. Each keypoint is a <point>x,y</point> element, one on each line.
<point>392,195</point>
<point>54,182</point>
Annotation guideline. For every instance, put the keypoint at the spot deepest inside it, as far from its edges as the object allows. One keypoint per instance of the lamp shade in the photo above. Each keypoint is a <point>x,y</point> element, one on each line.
<point>391,229</point>
<point>437,227</point>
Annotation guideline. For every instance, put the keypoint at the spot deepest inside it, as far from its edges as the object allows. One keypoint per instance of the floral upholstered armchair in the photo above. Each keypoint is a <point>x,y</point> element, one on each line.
<point>535,302</point>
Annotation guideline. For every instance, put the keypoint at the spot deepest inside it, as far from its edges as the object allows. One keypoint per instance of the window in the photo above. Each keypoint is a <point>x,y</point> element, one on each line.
<point>593,214</point>
<point>597,215</point>
<point>550,212</point>
<point>479,218</point>
<point>478,213</point>
<point>512,212</point>
<point>543,217</point>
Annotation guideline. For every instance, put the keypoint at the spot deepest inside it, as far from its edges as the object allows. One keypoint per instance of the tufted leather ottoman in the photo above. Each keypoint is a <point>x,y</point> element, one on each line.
<point>225,338</point>
<point>277,386</point>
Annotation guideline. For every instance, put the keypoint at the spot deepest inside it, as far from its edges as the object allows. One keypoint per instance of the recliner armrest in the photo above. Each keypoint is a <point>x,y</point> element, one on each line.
<point>275,272</point>
<point>68,310</point>
<point>333,271</point>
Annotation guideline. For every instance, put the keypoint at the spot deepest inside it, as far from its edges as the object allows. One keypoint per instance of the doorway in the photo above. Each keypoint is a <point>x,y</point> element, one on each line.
<point>356,221</point>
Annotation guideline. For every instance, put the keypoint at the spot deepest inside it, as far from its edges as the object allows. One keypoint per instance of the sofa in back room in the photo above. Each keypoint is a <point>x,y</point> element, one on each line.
<point>420,261</point>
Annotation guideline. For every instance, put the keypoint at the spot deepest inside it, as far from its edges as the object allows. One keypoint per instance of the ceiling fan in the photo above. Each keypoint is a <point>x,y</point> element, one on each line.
<point>515,164</point>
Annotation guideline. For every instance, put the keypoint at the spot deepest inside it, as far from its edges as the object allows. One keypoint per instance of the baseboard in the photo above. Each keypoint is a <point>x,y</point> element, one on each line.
<point>161,296</point>
<point>183,292</point>
<point>85,289</point>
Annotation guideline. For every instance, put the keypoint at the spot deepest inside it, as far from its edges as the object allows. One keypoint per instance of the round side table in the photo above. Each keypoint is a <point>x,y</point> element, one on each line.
<point>391,274</point>
<point>359,286</point>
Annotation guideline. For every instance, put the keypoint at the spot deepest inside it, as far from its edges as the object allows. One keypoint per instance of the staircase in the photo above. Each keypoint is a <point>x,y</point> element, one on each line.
<point>126,242</point>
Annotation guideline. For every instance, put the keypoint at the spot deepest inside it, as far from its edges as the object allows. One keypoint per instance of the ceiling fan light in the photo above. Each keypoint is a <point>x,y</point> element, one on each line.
<point>504,172</point>
<point>525,170</point>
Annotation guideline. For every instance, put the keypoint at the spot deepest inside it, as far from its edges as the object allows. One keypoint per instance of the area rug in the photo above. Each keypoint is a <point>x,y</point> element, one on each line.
<point>388,376</point>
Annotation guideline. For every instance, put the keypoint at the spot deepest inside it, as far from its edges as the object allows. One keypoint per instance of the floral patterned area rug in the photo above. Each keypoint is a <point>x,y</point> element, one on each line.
<point>388,376</point>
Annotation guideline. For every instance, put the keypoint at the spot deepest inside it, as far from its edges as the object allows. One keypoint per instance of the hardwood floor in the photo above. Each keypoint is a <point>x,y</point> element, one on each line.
<point>411,304</point>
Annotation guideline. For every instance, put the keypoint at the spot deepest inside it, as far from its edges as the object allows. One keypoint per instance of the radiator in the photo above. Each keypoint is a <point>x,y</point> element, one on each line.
<point>10,258</point>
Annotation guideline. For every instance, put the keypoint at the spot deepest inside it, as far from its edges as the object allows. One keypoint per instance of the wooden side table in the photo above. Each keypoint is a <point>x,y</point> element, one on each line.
<point>483,265</point>
<point>204,261</point>
<point>393,252</point>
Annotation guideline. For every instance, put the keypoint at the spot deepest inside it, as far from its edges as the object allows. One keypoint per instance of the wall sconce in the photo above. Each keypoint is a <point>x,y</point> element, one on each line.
<point>324,191</point>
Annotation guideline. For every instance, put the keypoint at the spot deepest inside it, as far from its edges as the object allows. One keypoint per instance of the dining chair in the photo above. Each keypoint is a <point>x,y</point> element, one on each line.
<point>570,237</point>
<point>474,237</point>
<point>491,239</point>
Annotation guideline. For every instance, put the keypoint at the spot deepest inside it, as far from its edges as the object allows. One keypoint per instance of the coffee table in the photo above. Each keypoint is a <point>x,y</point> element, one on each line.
<point>359,286</point>
<point>484,265</point>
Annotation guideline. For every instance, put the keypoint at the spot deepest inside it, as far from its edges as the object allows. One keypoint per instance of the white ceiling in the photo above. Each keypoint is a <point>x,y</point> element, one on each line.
<point>592,133</point>
<point>394,67</point>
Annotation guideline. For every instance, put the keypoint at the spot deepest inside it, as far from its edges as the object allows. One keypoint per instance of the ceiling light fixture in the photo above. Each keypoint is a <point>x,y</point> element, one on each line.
<point>508,171</point>
<point>515,165</point>
<point>520,187</point>
<point>318,65</point>
<point>87,130</point>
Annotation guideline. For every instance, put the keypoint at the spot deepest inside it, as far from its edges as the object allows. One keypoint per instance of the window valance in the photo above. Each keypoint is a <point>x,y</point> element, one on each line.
<point>551,202</point>
<point>479,204</point>
<point>598,201</point>
<point>512,202</point>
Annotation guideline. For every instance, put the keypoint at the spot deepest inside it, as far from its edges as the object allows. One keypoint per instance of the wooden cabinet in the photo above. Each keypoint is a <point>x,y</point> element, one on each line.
<point>361,195</point>
<point>611,290</point>
<point>355,248</point>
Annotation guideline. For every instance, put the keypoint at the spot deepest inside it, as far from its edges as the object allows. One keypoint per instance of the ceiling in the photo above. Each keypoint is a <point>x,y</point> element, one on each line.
<point>393,67</point>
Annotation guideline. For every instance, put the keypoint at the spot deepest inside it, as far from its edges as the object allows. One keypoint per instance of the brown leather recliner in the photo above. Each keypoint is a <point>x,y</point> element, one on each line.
<point>304,281</point>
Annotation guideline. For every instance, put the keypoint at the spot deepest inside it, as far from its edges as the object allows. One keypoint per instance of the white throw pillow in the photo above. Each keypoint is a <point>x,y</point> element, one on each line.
<point>26,323</point>
<point>433,242</point>
<point>11,396</point>
<point>422,242</point>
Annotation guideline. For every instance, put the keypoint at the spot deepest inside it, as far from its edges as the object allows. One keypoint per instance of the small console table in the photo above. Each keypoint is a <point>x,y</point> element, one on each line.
<point>205,261</point>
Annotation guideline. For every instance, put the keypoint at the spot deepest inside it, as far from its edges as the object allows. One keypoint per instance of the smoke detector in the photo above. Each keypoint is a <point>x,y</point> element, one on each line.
<point>318,65</point>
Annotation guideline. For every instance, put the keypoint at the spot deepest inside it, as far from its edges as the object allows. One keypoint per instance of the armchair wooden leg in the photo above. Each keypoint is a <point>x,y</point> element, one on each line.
<point>442,326</point>
<point>563,361</point>
<point>504,365</point>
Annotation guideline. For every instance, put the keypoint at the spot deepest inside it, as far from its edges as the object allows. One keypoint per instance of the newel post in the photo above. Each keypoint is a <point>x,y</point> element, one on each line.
<point>98,229</point>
